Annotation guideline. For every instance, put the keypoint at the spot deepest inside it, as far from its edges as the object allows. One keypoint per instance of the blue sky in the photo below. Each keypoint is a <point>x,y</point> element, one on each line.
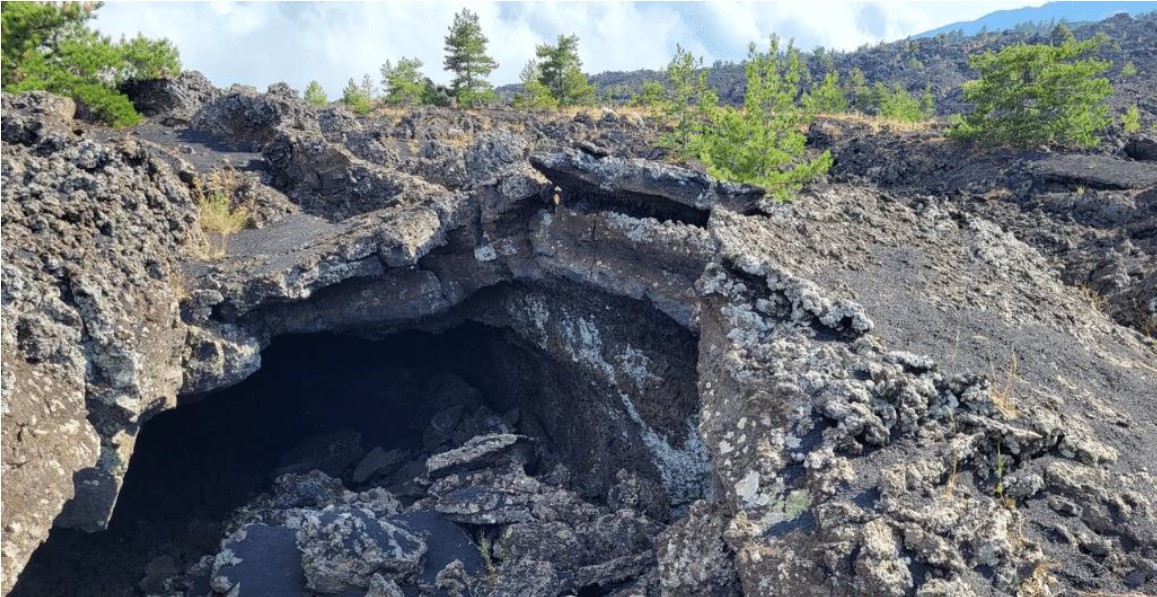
<point>259,43</point>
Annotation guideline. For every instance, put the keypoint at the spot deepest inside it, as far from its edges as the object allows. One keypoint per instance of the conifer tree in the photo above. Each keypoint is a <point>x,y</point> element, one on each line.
<point>466,57</point>
<point>534,95</point>
<point>357,97</point>
<point>404,83</point>
<point>827,97</point>
<point>315,94</point>
<point>857,90</point>
<point>1131,121</point>
<point>690,105</point>
<point>48,46</point>
<point>764,142</point>
<point>928,102</point>
<point>561,72</point>
<point>1034,94</point>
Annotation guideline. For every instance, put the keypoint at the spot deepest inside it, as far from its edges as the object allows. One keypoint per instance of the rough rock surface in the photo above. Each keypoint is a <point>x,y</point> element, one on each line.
<point>92,334</point>
<point>1091,216</point>
<point>885,387</point>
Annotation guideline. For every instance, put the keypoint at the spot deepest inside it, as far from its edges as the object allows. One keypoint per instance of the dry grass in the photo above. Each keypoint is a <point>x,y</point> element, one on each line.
<point>998,194</point>
<point>880,123</point>
<point>954,470</point>
<point>1096,299</point>
<point>221,213</point>
<point>1149,327</point>
<point>640,111</point>
<point>1039,583</point>
<point>953,474</point>
<point>1001,394</point>
<point>392,114</point>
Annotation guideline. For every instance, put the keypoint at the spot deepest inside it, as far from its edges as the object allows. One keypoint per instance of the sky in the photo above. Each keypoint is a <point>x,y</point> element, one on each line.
<point>260,43</point>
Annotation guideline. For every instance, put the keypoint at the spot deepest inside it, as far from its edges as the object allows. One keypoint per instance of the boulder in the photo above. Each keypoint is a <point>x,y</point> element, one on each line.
<point>1142,147</point>
<point>171,101</point>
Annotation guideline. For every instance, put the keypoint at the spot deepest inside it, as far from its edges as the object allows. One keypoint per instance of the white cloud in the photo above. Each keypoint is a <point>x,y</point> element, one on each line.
<point>259,43</point>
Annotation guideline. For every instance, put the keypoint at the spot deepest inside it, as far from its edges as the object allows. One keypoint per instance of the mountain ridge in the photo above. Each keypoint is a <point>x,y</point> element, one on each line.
<point>1070,12</point>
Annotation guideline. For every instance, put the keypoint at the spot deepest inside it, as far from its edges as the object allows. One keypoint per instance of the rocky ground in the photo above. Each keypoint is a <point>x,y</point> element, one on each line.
<point>930,374</point>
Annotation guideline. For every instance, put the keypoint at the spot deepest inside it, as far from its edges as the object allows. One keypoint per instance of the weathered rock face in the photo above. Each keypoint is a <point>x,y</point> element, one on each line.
<point>92,335</point>
<point>680,388</point>
<point>1091,216</point>
<point>858,466</point>
<point>174,101</point>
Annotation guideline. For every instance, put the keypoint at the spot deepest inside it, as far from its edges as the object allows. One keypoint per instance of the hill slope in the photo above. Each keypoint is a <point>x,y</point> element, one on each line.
<point>1071,12</point>
<point>942,63</point>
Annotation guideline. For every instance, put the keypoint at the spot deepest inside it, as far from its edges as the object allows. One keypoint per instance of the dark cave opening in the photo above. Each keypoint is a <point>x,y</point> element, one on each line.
<point>336,403</point>
<point>326,401</point>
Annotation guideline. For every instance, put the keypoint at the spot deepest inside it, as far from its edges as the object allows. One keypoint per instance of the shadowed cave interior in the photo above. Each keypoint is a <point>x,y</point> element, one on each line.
<point>325,401</point>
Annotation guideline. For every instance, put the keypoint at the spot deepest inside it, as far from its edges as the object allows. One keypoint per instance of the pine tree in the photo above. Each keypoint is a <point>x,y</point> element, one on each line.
<point>1131,121</point>
<point>315,95</point>
<point>857,89</point>
<point>895,102</point>
<point>561,72</point>
<point>466,57</point>
<point>764,142</point>
<point>368,88</point>
<point>928,102</point>
<point>404,83</point>
<point>356,97</point>
<point>824,59</point>
<point>690,104</point>
<point>47,45</point>
<point>535,95</point>
<point>827,97</point>
<point>1034,94</point>
<point>31,28</point>
<point>652,93</point>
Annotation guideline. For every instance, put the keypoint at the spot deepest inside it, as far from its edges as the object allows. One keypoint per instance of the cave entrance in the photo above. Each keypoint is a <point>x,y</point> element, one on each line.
<point>366,411</point>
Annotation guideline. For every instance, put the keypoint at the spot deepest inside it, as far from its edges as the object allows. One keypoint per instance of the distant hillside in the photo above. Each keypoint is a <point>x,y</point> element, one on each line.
<point>1070,12</point>
<point>941,61</point>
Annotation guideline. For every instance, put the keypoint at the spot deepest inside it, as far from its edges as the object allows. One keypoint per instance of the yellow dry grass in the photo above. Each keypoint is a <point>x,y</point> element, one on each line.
<point>220,213</point>
<point>880,123</point>
<point>1001,393</point>
<point>1039,583</point>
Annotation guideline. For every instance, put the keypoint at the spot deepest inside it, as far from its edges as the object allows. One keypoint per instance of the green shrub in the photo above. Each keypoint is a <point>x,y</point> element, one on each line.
<point>827,97</point>
<point>897,103</point>
<point>404,83</point>
<point>48,46</point>
<point>762,143</point>
<point>1037,94</point>
<point>560,71</point>
<point>690,103</point>
<point>1129,70</point>
<point>357,97</point>
<point>652,93</point>
<point>315,94</point>
<point>436,95</point>
<point>1131,121</point>
<point>534,95</point>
